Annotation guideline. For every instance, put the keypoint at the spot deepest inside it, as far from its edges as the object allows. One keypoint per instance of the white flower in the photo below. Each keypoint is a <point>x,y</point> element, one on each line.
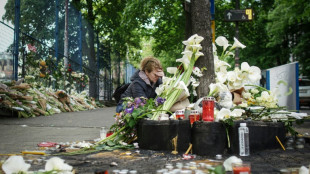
<point>15,164</point>
<point>228,162</point>
<point>237,112</point>
<point>254,91</point>
<point>187,54</point>
<point>222,41</point>
<point>223,114</point>
<point>166,80</point>
<point>198,54</point>
<point>160,89</point>
<point>193,40</point>
<point>57,163</point>
<point>303,170</point>
<point>181,85</point>
<point>237,44</point>
<point>197,72</point>
<point>245,66</point>
<point>254,74</point>
<point>221,77</point>
<point>172,70</point>
<point>185,61</point>
<point>246,95</point>
<point>196,47</point>
<point>243,104</point>
<point>216,88</point>
<point>231,76</point>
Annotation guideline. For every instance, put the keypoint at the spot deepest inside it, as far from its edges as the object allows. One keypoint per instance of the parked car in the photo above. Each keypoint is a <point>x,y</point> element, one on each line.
<point>304,92</point>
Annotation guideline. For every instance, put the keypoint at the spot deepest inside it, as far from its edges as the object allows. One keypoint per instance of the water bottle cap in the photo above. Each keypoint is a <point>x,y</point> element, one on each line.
<point>243,124</point>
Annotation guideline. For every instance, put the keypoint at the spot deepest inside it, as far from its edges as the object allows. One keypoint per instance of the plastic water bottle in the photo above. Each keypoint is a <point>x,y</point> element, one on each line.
<point>244,146</point>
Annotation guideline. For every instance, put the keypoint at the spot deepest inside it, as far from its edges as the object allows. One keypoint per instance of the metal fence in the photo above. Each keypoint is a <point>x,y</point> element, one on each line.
<point>32,47</point>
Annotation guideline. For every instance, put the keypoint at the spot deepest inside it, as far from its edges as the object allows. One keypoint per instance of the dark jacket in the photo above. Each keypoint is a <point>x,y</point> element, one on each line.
<point>141,87</point>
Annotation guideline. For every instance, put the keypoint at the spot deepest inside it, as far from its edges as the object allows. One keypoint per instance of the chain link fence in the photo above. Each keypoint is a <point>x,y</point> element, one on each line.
<point>41,50</point>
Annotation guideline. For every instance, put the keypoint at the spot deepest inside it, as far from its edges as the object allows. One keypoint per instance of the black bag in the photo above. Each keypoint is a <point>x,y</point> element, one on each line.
<point>119,91</point>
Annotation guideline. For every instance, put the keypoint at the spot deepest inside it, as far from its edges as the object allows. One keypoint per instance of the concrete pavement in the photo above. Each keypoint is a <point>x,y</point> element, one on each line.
<point>18,134</point>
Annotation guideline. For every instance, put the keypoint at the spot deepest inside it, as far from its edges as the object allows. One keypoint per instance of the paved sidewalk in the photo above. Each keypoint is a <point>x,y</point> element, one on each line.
<point>18,134</point>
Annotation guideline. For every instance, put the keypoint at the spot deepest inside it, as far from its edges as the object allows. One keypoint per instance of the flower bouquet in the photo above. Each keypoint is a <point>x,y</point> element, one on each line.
<point>172,90</point>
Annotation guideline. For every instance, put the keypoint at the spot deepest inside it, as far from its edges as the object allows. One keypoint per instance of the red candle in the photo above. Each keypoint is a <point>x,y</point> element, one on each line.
<point>194,116</point>
<point>179,114</point>
<point>242,170</point>
<point>208,109</point>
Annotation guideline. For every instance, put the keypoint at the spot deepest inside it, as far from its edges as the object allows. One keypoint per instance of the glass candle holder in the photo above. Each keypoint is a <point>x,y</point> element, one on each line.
<point>241,168</point>
<point>208,109</point>
<point>179,114</point>
<point>194,116</point>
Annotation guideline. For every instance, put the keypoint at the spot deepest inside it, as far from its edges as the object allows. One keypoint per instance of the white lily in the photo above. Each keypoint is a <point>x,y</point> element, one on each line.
<point>57,163</point>
<point>231,76</point>
<point>245,66</point>
<point>223,114</point>
<point>221,76</point>
<point>188,54</point>
<point>193,40</point>
<point>196,48</point>
<point>237,44</point>
<point>215,88</point>
<point>15,164</point>
<point>185,61</point>
<point>172,70</point>
<point>198,54</point>
<point>254,74</point>
<point>160,89</point>
<point>222,41</point>
<point>237,112</point>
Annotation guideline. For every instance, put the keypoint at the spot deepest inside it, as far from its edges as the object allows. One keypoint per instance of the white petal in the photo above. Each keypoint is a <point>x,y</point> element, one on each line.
<point>172,70</point>
<point>15,164</point>
<point>222,114</point>
<point>185,61</point>
<point>254,74</point>
<point>237,44</point>
<point>57,163</point>
<point>237,112</point>
<point>245,66</point>
<point>222,41</point>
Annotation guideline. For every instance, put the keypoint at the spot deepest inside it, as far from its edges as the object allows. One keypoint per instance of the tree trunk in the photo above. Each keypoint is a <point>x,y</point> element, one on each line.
<point>201,25</point>
<point>92,57</point>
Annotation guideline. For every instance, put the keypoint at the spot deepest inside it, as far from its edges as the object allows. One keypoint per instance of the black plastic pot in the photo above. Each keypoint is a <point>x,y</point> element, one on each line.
<point>208,138</point>
<point>158,135</point>
<point>262,135</point>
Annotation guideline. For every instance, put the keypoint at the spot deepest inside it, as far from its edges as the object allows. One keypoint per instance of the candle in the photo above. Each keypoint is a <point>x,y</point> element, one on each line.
<point>194,116</point>
<point>179,114</point>
<point>241,168</point>
<point>208,109</point>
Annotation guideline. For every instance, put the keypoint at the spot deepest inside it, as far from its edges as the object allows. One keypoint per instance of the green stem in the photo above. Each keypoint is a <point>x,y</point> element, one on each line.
<point>228,140</point>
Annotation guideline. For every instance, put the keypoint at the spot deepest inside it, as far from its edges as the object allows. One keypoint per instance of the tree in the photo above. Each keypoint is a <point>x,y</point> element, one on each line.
<point>201,25</point>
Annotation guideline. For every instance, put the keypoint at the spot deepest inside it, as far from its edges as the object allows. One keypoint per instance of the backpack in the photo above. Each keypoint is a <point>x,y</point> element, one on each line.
<point>119,91</point>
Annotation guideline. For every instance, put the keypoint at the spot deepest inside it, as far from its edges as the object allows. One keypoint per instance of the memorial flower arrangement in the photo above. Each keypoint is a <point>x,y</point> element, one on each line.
<point>176,88</point>
<point>238,96</point>
<point>169,92</point>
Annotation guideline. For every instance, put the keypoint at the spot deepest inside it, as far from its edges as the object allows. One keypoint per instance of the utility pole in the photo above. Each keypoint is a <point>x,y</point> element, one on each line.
<point>237,37</point>
<point>16,38</point>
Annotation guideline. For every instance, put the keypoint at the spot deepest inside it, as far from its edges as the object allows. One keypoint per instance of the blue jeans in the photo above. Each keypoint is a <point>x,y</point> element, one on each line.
<point>119,107</point>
